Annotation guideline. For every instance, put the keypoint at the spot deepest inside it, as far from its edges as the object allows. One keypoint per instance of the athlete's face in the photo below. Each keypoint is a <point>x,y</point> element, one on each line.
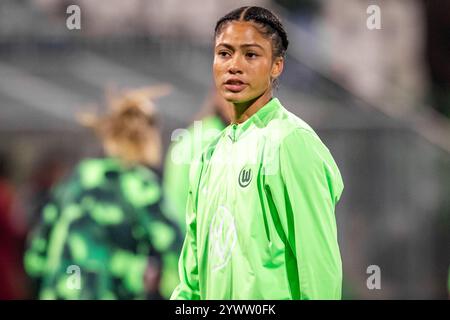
<point>243,63</point>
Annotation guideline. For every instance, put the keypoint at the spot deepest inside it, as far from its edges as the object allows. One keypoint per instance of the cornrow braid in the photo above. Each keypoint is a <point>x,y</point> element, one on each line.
<point>269,22</point>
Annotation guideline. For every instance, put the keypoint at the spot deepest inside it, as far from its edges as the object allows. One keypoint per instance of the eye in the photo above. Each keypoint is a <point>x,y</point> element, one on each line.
<point>223,53</point>
<point>251,55</point>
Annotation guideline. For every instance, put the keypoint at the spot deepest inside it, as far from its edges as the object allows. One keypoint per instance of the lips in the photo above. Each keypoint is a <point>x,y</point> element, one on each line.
<point>234,85</point>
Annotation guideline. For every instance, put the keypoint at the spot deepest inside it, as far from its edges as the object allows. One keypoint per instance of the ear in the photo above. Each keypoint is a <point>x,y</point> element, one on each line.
<point>277,67</point>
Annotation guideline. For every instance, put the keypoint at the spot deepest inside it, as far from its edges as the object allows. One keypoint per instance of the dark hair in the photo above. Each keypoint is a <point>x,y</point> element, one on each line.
<point>270,26</point>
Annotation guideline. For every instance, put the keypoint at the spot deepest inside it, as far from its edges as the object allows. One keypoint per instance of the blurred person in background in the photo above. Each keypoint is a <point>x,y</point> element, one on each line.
<point>12,236</point>
<point>105,218</point>
<point>212,119</point>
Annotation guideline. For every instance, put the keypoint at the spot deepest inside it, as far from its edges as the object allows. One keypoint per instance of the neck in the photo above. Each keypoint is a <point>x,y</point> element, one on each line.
<point>242,111</point>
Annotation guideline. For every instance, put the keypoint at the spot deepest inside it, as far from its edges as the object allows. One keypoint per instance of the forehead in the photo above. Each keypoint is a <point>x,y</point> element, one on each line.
<point>241,32</point>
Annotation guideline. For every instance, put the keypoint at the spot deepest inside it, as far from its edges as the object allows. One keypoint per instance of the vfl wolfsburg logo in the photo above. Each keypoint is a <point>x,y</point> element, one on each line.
<point>222,238</point>
<point>245,177</point>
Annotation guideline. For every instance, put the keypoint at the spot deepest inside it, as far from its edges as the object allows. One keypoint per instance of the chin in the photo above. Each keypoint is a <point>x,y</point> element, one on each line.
<point>234,97</point>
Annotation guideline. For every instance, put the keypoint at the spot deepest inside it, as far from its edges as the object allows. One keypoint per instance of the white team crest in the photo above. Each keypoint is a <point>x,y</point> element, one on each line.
<point>222,238</point>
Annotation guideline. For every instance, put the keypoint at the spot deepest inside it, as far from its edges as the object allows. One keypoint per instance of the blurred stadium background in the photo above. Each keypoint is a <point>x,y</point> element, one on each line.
<point>379,99</point>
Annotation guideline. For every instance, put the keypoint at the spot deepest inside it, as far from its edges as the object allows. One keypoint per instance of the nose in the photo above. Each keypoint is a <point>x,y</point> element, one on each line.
<point>235,66</point>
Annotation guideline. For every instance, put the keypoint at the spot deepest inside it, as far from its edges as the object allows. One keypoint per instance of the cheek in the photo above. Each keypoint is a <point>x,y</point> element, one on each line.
<point>262,74</point>
<point>216,71</point>
<point>218,67</point>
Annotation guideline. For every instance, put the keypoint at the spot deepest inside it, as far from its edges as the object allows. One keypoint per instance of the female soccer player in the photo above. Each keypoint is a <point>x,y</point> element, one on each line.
<point>260,213</point>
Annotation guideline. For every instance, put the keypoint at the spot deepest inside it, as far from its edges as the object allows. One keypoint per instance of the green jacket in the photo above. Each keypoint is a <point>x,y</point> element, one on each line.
<point>260,214</point>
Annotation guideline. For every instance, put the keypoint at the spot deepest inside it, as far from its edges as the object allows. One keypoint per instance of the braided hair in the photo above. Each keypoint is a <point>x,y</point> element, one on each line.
<point>269,24</point>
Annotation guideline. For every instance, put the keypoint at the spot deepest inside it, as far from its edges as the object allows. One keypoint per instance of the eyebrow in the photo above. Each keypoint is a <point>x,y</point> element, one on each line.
<point>226,45</point>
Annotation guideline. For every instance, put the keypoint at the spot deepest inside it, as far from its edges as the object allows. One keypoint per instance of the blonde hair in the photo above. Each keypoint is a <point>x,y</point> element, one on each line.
<point>129,130</point>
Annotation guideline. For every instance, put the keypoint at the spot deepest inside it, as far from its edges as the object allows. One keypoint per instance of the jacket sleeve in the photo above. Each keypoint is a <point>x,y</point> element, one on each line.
<point>35,257</point>
<point>188,288</point>
<point>311,185</point>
